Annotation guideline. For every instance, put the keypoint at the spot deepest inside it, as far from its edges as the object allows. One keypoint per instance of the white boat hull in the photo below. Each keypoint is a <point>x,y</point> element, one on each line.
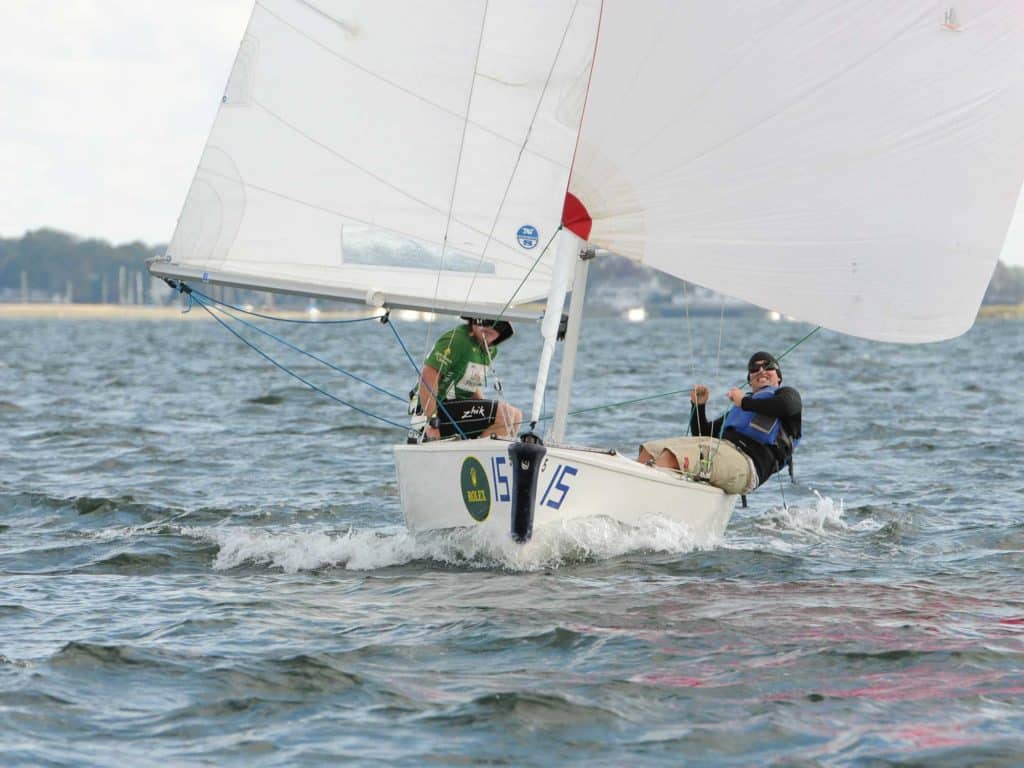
<point>468,483</point>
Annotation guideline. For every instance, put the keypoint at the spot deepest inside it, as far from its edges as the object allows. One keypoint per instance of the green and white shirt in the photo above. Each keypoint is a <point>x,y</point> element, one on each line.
<point>462,364</point>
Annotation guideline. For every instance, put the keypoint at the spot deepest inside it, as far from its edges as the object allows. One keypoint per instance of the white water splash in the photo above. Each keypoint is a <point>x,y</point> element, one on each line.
<point>573,541</point>
<point>825,514</point>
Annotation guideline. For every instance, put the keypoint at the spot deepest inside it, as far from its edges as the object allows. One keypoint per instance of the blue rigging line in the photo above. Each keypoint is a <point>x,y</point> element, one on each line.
<point>202,302</point>
<point>311,385</point>
<point>419,374</point>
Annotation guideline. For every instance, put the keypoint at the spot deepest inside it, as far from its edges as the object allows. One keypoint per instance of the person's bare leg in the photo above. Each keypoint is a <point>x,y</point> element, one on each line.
<point>514,419</point>
<point>505,422</point>
<point>667,459</point>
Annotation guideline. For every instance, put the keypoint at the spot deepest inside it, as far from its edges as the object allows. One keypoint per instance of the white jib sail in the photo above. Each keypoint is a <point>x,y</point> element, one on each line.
<point>398,152</point>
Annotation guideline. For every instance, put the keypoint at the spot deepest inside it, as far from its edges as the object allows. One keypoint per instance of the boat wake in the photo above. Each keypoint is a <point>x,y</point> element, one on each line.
<point>572,542</point>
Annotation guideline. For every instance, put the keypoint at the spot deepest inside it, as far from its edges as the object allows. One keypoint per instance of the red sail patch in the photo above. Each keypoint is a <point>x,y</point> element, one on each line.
<point>575,217</point>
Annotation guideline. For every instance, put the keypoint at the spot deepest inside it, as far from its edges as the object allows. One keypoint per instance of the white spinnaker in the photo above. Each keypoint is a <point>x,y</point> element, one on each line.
<point>360,142</point>
<point>854,165</point>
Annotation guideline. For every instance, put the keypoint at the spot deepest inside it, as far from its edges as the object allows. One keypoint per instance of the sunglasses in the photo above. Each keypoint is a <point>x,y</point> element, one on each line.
<point>758,367</point>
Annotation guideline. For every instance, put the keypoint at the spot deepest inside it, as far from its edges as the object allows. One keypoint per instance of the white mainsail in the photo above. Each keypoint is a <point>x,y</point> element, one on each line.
<point>403,153</point>
<point>854,165</point>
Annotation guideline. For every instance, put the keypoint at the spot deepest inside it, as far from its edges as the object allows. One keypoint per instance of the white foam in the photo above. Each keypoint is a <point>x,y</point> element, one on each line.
<point>825,514</point>
<point>551,546</point>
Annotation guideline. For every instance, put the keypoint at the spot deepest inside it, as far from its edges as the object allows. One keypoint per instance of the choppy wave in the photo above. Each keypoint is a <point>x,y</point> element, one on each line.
<point>86,655</point>
<point>210,568</point>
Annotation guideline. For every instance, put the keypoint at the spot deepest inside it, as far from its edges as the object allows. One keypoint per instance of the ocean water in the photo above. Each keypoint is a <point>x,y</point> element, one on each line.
<point>203,562</point>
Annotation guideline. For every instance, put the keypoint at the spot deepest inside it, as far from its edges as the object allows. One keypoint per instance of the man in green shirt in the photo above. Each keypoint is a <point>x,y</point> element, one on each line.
<point>456,372</point>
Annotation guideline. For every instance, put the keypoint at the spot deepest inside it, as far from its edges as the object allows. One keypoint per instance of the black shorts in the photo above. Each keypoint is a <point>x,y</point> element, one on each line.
<point>472,416</point>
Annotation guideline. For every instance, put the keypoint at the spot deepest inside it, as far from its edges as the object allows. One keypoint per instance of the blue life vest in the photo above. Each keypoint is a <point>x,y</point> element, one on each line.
<point>759,427</point>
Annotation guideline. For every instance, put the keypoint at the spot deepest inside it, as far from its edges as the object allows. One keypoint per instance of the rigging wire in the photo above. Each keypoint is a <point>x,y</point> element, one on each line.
<point>494,369</point>
<point>689,330</point>
<point>383,79</point>
<point>311,385</point>
<point>420,380</point>
<point>693,359</point>
<point>725,414</point>
<point>455,186</point>
<point>782,490</point>
<point>675,391</point>
<point>202,302</point>
<point>526,277</point>
<point>721,331</point>
<point>515,167</point>
<point>193,293</point>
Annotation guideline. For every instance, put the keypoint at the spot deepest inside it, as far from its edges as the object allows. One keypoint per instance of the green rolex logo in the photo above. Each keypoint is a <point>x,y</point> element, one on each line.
<point>476,491</point>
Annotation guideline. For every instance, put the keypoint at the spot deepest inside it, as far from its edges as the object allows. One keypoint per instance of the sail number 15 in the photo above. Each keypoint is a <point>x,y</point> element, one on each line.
<point>554,495</point>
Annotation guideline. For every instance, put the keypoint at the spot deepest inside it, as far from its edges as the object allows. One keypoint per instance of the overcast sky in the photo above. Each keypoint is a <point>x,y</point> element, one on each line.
<point>105,106</point>
<point>104,110</point>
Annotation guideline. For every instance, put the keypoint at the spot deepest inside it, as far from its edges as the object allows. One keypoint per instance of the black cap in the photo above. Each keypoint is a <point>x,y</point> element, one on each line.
<point>763,357</point>
<point>503,327</point>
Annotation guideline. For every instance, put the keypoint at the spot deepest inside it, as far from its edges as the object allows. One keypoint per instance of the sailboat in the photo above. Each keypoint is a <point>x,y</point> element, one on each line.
<point>852,165</point>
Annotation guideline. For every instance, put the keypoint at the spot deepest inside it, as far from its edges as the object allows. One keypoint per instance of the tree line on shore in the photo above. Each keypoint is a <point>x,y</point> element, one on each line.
<point>48,265</point>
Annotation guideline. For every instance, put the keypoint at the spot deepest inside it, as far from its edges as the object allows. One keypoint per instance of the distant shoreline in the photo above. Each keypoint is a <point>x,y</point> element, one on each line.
<point>151,312</point>
<point>88,311</point>
<point>142,312</point>
<point>1001,311</point>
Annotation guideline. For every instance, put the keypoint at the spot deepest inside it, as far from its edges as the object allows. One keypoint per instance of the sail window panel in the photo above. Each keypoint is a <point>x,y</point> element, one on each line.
<point>369,246</point>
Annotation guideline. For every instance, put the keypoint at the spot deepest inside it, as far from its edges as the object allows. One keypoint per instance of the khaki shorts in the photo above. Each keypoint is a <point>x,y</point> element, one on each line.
<point>731,469</point>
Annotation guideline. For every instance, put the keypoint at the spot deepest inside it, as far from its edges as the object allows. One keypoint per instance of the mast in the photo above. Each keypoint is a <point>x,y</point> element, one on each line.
<point>572,337</point>
<point>566,254</point>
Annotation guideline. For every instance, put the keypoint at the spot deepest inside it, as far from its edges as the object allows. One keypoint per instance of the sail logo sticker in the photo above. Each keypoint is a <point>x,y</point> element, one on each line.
<point>473,412</point>
<point>476,490</point>
<point>527,236</point>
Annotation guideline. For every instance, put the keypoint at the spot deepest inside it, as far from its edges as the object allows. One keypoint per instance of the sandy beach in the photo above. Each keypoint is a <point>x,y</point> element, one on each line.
<point>92,311</point>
